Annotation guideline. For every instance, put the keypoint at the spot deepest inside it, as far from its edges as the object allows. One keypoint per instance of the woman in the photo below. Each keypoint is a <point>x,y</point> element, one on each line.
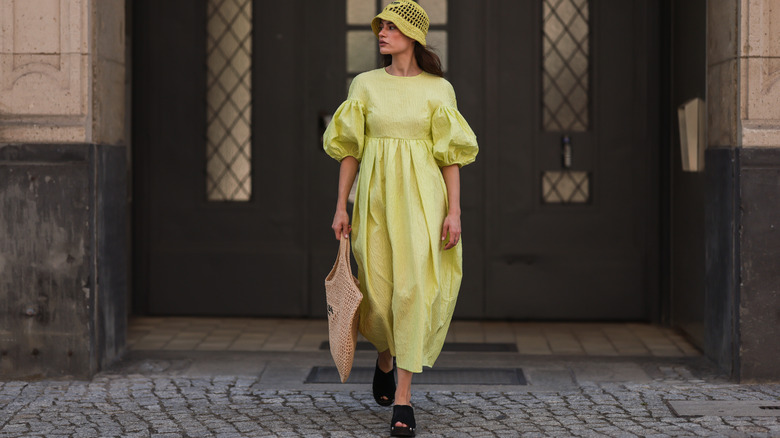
<point>402,125</point>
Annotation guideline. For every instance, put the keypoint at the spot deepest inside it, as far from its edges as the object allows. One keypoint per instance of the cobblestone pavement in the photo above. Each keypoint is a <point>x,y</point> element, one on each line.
<point>135,405</point>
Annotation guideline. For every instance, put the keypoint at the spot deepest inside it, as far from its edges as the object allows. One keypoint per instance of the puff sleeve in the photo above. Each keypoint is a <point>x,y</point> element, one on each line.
<point>345,134</point>
<point>453,140</point>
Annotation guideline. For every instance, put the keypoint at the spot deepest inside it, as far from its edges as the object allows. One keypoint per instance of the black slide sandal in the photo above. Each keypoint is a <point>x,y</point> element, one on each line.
<point>405,415</point>
<point>384,386</point>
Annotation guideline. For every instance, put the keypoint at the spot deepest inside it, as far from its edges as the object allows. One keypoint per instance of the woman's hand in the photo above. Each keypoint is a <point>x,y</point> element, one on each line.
<point>341,226</point>
<point>451,226</point>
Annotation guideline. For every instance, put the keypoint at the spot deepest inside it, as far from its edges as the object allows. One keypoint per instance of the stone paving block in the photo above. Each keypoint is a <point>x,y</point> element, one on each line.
<point>136,405</point>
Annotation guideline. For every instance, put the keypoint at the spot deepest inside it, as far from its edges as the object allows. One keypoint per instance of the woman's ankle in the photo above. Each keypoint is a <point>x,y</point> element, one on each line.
<point>385,360</point>
<point>401,399</point>
<point>403,391</point>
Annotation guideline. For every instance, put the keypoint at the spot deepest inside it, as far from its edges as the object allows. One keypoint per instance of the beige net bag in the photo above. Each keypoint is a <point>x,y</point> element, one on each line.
<point>343,295</point>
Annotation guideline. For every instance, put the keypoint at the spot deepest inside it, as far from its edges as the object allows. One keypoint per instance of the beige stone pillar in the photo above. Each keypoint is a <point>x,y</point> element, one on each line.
<point>743,73</point>
<point>759,79</point>
<point>62,71</point>
<point>63,186</point>
<point>743,187</point>
<point>722,73</point>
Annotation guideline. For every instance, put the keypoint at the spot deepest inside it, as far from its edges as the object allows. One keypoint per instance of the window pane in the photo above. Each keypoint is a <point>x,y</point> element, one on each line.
<point>566,187</point>
<point>361,11</point>
<point>361,50</point>
<point>436,9</point>
<point>229,100</point>
<point>566,65</point>
<point>437,40</point>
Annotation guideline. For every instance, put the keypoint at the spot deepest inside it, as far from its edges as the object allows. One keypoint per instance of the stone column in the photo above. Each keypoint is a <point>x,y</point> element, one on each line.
<point>63,186</point>
<point>743,178</point>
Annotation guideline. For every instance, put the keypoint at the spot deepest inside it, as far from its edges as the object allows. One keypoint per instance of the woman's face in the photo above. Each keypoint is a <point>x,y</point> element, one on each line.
<point>392,41</point>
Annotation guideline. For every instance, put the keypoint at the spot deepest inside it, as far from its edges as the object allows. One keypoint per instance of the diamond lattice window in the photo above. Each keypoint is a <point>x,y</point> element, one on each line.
<point>565,187</point>
<point>566,59</point>
<point>229,100</point>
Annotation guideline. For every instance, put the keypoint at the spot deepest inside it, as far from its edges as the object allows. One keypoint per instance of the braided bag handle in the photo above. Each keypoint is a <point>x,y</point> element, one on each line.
<point>342,291</point>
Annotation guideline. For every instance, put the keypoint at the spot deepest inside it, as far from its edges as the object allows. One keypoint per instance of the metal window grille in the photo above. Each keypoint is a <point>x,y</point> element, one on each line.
<point>566,65</point>
<point>229,100</point>
<point>565,187</point>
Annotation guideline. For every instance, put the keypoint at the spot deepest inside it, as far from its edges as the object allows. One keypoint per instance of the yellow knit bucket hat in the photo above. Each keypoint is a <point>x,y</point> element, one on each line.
<point>408,16</point>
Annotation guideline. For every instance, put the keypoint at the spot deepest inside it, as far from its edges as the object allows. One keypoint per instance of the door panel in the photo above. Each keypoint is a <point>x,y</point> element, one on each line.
<point>571,261</point>
<point>220,258</point>
<point>571,286</point>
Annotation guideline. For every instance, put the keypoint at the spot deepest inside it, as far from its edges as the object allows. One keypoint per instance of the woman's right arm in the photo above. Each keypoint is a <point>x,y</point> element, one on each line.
<point>347,172</point>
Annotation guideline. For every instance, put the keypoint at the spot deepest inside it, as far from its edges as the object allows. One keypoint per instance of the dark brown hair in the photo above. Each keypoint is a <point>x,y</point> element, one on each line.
<point>428,61</point>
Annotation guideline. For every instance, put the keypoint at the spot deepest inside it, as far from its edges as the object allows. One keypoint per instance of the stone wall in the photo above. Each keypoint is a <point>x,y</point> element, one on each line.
<point>62,71</point>
<point>743,116</point>
<point>63,186</point>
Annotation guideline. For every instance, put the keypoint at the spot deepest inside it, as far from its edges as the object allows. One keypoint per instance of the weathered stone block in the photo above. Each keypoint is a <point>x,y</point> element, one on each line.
<point>63,253</point>
<point>761,90</point>
<point>760,22</point>
<point>62,70</point>
<point>721,278</point>
<point>110,24</point>
<point>108,105</point>
<point>722,45</point>
<point>45,275</point>
<point>759,303</point>
<point>722,104</point>
<point>44,85</point>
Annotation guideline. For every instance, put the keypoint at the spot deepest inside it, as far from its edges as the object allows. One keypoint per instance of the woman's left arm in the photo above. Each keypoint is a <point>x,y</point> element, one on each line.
<point>451,224</point>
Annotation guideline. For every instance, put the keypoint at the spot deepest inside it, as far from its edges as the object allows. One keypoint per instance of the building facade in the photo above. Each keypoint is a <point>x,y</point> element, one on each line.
<point>164,157</point>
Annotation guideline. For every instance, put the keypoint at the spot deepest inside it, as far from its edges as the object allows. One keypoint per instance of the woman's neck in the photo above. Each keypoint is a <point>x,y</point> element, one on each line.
<point>404,64</point>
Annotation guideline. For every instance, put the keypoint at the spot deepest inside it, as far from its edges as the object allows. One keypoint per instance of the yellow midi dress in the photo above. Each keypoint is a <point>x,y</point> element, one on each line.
<point>402,130</point>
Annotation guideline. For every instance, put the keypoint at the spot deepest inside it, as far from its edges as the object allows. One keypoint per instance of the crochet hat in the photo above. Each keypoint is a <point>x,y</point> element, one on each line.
<point>408,16</point>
